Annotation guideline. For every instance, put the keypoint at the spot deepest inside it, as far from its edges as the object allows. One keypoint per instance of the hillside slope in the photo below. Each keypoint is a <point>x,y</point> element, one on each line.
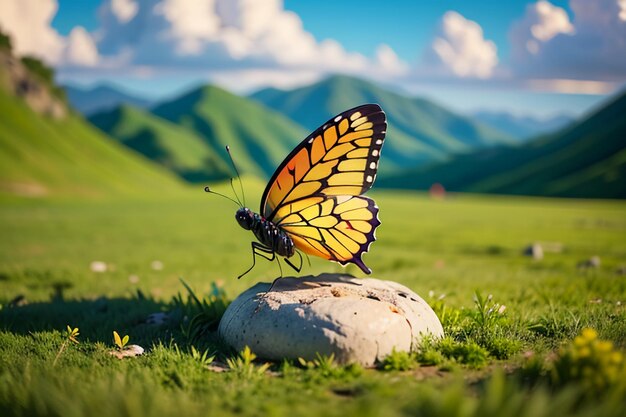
<point>258,137</point>
<point>419,131</point>
<point>170,145</point>
<point>46,150</point>
<point>587,159</point>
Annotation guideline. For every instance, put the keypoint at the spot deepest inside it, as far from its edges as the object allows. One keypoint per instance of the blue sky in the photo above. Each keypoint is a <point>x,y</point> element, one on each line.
<point>518,56</point>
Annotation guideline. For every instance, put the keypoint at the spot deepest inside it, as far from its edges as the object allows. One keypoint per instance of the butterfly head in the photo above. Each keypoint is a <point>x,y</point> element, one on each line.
<point>245,218</point>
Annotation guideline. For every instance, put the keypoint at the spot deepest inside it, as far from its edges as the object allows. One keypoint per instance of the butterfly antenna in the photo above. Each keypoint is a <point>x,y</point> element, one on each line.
<point>232,187</point>
<point>208,190</point>
<point>232,161</point>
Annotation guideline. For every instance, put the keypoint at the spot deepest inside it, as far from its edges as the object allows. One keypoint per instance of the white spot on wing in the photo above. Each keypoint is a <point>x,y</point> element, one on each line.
<point>337,119</point>
<point>372,165</point>
<point>375,152</point>
<point>369,178</point>
<point>379,142</point>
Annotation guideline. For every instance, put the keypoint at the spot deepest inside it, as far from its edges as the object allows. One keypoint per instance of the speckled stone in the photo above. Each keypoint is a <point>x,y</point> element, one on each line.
<point>357,320</point>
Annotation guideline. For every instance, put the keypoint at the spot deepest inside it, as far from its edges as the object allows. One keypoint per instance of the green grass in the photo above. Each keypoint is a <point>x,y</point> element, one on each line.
<point>455,253</point>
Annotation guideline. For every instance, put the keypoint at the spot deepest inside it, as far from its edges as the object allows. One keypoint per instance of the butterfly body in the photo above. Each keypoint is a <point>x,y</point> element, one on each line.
<point>266,232</point>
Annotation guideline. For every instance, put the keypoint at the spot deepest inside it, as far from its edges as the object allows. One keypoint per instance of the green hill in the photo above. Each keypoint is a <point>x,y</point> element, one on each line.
<point>259,137</point>
<point>587,159</point>
<point>172,146</point>
<point>46,150</point>
<point>419,130</point>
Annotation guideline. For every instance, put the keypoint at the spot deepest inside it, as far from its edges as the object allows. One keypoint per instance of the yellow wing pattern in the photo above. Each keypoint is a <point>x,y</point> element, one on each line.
<point>315,194</point>
<point>338,228</point>
<point>339,158</point>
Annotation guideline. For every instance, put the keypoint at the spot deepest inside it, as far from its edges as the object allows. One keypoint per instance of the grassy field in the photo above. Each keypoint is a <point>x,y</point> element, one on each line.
<point>514,360</point>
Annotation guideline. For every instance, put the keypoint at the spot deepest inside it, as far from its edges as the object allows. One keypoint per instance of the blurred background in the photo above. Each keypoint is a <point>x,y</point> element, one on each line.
<point>114,115</point>
<point>520,97</point>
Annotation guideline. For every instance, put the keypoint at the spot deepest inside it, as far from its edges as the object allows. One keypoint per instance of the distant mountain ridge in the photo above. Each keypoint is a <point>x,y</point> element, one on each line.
<point>176,148</point>
<point>523,128</point>
<point>586,160</point>
<point>259,138</point>
<point>419,131</point>
<point>100,98</point>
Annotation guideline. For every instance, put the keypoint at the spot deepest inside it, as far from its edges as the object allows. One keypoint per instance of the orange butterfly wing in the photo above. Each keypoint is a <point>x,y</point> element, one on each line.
<point>314,194</point>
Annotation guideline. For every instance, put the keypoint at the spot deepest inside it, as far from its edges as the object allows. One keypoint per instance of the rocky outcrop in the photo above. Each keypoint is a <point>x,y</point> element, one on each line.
<point>17,80</point>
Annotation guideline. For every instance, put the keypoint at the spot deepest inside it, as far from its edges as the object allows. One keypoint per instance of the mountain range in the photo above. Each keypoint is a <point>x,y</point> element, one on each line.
<point>523,128</point>
<point>258,137</point>
<point>419,131</point>
<point>46,149</point>
<point>586,159</point>
<point>101,98</point>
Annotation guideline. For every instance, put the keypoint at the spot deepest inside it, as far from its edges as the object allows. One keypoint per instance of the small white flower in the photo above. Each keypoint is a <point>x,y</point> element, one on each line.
<point>98,266</point>
<point>431,293</point>
<point>133,279</point>
<point>501,309</point>
<point>156,265</point>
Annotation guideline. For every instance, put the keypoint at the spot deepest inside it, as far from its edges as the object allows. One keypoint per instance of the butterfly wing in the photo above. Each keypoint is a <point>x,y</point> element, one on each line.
<point>333,166</point>
<point>339,228</point>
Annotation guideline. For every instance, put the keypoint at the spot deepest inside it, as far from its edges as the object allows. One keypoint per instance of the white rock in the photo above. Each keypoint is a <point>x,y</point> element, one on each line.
<point>129,351</point>
<point>357,320</point>
<point>98,266</point>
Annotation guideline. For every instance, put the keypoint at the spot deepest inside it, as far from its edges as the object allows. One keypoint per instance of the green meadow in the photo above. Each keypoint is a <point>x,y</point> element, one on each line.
<point>513,323</point>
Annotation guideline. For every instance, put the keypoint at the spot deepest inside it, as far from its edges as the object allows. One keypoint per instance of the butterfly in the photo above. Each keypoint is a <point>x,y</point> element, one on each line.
<point>313,203</point>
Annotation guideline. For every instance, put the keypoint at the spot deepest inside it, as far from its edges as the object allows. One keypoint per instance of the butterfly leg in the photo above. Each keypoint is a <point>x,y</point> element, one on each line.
<point>296,268</point>
<point>263,251</point>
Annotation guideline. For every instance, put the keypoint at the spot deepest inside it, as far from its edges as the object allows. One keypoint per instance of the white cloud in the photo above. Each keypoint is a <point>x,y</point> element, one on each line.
<point>191,23</point>
<point>388,60</point>
<point>542,22</point>
<point>461,49</point>
<point>236,42</point>
<point>28,23</point>
<point>545,44</point>
<point>124,10</point>
<point>80,49</point>
<point>219,37</point>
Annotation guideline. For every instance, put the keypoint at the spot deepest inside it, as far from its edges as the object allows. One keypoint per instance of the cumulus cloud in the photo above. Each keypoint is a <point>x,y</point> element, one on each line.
<point>124,10</point>
<point>80,49</point>
<point>388,61</point>
<point>592,47</point>
<point>218,34</point>
<point>28,22</point>
<point>227,38</point>
<point>461,49</point>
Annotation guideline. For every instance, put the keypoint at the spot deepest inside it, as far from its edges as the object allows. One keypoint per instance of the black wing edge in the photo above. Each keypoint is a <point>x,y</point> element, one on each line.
<point>374,112</point>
